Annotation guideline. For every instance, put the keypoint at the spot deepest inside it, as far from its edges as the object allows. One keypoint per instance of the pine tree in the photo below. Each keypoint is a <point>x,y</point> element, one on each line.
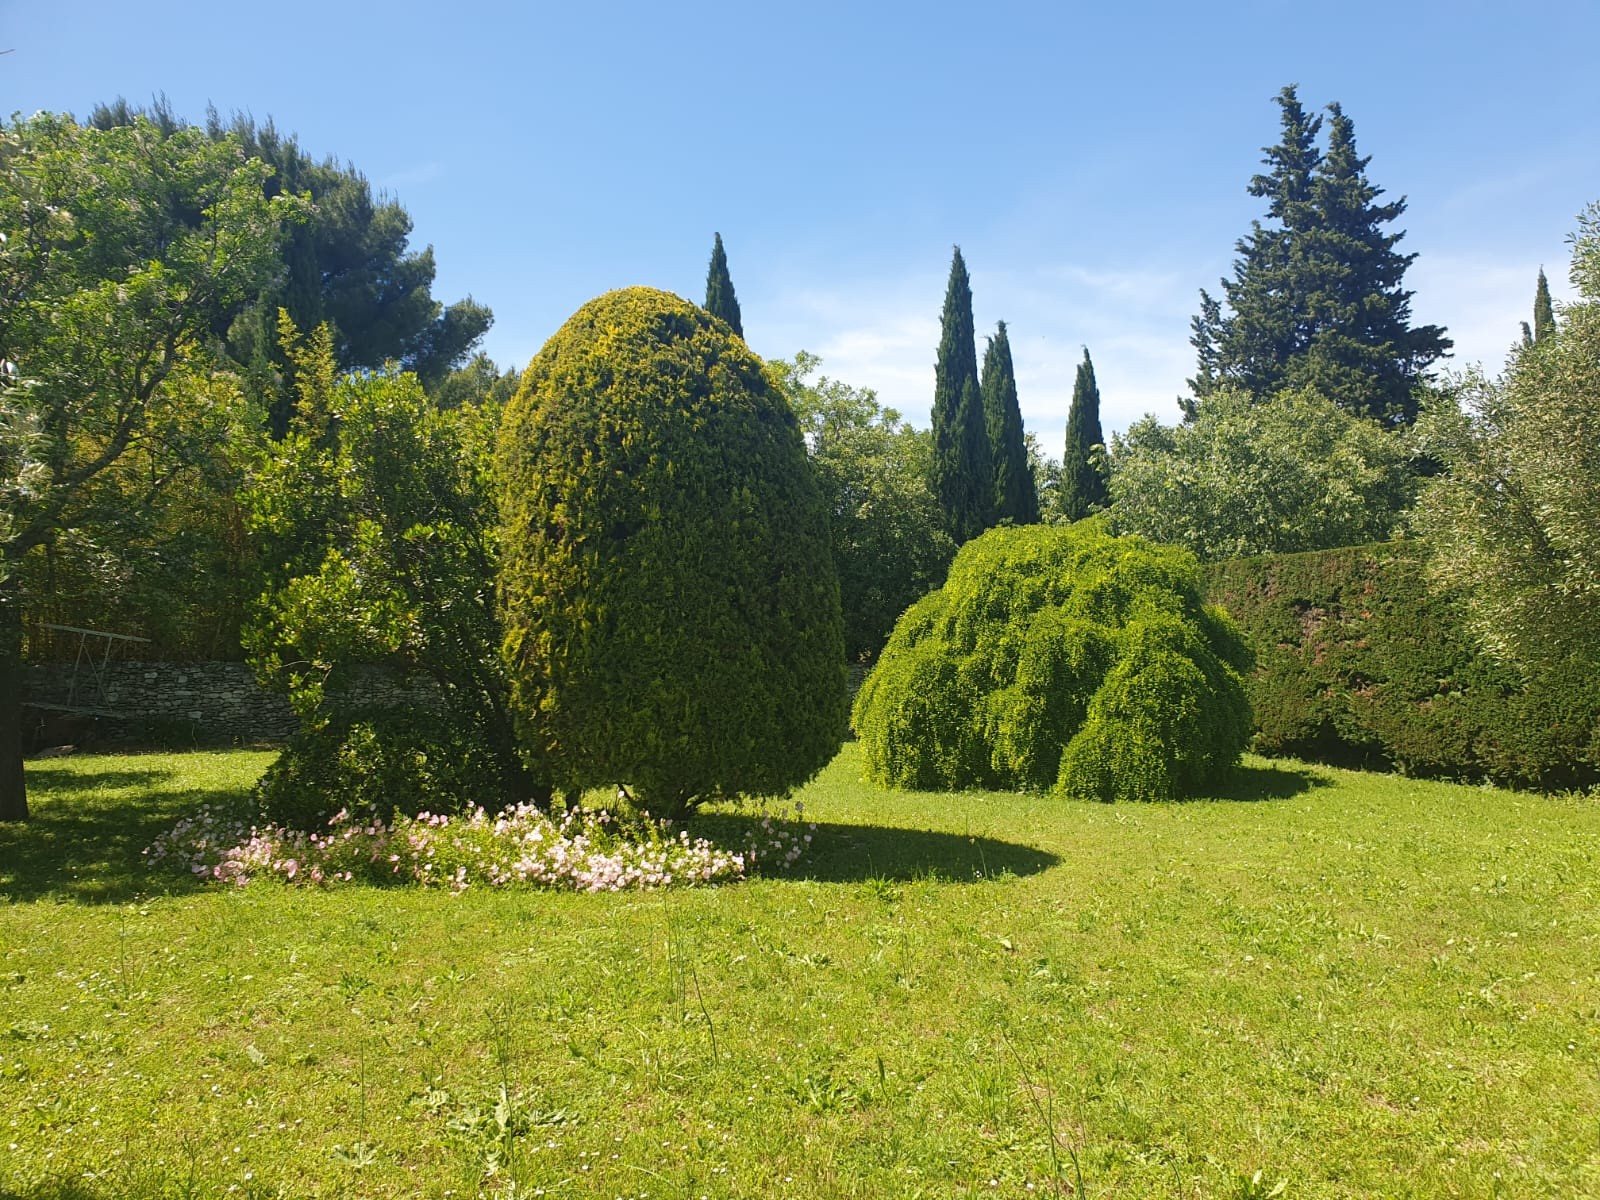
<point>1015,497</point>
<point>1248,346</point>
<point>720,298</point>
<point>1083,464</point>
<point>1363,352</point>
<point>1544,313</point>
<point>961,472</point>
<point>1316,299</point>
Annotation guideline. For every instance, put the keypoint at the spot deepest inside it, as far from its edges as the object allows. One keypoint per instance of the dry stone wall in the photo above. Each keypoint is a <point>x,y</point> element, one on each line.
<point>216,703</point>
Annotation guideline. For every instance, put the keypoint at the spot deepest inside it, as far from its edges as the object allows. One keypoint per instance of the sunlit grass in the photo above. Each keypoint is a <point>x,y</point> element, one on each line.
<point>1360,985</point>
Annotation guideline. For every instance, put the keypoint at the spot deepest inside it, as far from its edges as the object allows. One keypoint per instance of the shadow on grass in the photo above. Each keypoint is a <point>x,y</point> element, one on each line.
<point>85,839</point>
<point>1269,783</point>
<point>52,781</point>
<point>857,853</point>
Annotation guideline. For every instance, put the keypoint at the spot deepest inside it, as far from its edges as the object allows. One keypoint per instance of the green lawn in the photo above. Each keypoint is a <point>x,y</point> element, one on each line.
<point>1355,984</point>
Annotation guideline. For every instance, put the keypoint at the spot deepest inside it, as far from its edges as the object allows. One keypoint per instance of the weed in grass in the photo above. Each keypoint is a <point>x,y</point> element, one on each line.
<point>1042,1099</point>
<point>1255,1187</point>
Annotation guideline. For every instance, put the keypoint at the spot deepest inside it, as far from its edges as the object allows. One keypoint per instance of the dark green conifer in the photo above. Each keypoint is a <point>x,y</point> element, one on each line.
<point>961,471</point>
<point>1083,464</point>
<point>1249,345</point>
<point>1016,499</point>
<point>1544,313</point>
<point>720,298</point>
<point>1362,351</point>
<point>1316,298</point>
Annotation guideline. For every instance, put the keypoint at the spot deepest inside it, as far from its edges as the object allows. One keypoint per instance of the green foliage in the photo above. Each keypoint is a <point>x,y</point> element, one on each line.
<point>1316,299</point>
<point>889,544</point>
<point>1083,488</point>
<point>1360,662</point>
<point>1046,474</point>
<point>960,474</point>
<point>376,763</point>
<point>378,540</point>
<point>176,571</point>
<point>122,250</point>
<point>1016,499</point>
<point>348,264</point>
<point>476,383</point>
<point>1295,472</point>
<point>671,607</point>
<point>721,301</point>
<point>1544,313</point>
<point>1515,518</point>
<point>1064,658</point>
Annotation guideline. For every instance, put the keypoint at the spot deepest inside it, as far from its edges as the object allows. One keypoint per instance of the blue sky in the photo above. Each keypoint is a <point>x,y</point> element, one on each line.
<point>1091,161</point>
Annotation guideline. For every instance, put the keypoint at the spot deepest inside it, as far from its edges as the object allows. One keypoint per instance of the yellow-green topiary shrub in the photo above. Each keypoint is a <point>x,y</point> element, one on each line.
<point>1060,658</point>
<point>670,605</point>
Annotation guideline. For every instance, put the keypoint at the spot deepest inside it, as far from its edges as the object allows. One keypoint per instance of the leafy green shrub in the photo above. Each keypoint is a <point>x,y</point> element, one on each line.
<point>670,604</point>
<point>888,538</point>
<point>1064,658</point>
<point>1360,662</point>
<point>1293,471</point>
<point>378,763</point>
<point>376,525</point>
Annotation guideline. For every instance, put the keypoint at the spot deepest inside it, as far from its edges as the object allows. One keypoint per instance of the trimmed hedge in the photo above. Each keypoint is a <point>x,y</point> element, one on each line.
<point>1059,658</point>
<point>670,604</point>
<point>1360,663</point>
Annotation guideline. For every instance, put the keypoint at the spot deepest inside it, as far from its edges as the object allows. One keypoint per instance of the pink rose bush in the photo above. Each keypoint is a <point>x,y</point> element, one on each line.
<point>581,850</point>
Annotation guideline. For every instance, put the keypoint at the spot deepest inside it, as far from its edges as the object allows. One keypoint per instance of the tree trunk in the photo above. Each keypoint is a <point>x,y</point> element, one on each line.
<point>13,788</point>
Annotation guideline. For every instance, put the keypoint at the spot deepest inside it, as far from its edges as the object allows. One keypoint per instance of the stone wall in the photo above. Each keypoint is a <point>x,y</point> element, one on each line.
<point>213,702</point>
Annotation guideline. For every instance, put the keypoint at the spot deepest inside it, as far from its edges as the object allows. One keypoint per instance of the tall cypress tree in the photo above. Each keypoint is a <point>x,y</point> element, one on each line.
<point>1316,299</point>
<point>1083,464</point>
<point>720,300</point>
<point>961,471</point>
<point>1544,313</point>
<point>1016,499</point>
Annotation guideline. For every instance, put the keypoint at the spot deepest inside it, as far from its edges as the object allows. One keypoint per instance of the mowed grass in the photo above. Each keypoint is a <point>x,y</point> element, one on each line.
<point>1355,985</point>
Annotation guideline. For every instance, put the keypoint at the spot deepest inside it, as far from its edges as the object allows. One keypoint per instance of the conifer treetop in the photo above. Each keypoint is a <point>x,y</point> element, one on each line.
<point>720,298</point>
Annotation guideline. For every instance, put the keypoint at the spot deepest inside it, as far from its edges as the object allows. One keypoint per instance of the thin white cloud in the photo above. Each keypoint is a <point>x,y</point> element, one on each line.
<point>1480,300</point>
<point>414,176</point>
<point>884,334</point>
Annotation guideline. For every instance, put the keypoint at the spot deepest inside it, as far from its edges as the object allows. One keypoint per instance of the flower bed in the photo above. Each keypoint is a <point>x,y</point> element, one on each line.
<point>582,850</point>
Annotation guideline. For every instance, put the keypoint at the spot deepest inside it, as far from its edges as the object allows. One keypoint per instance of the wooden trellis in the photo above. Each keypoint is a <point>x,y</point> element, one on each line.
<point>86,689</point>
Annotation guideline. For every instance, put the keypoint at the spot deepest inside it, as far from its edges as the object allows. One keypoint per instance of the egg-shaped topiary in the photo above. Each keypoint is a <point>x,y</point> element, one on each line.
<point>1060,658</point>
<point>670,605</point>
